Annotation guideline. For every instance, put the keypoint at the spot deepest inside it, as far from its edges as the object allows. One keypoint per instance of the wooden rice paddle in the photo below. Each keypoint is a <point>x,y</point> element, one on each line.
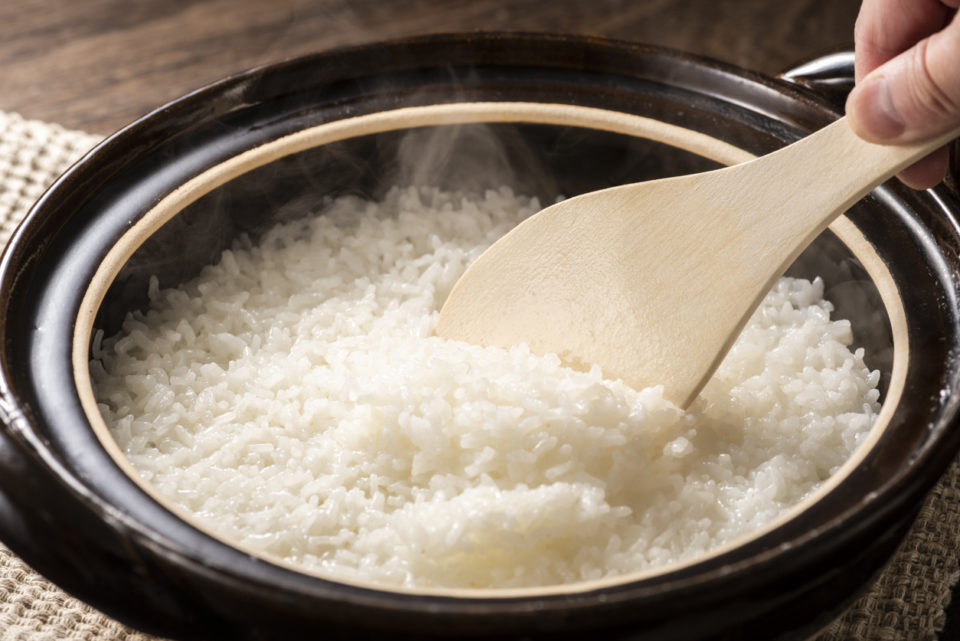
<point>654,281</point>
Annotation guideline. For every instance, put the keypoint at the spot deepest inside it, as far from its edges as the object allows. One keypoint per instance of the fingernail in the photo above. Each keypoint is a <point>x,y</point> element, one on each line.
<point>880,115</point>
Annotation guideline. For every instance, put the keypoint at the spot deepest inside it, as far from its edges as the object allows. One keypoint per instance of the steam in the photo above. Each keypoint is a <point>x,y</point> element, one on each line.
<point>473,158</point>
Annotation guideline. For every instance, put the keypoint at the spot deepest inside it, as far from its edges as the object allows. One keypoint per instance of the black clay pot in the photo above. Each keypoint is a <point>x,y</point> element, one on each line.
<point>167,194</point>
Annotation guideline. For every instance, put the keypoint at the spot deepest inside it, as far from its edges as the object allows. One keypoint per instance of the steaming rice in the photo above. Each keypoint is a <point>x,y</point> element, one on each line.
<point>293,400</point>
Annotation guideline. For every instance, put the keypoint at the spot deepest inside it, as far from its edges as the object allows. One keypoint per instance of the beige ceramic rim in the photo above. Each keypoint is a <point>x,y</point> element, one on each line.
<point>455,114</point>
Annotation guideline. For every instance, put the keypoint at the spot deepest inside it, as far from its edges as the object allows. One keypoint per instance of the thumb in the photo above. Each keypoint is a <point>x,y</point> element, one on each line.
<point>912,97</point>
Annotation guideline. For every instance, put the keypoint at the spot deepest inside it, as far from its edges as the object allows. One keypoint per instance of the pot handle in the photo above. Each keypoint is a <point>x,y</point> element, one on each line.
<point>100,561</point>
<point>831,76</point>
<point>34,505</point>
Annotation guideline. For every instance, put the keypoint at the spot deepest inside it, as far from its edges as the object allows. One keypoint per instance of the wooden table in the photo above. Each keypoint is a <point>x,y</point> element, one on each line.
<point>98,64</point>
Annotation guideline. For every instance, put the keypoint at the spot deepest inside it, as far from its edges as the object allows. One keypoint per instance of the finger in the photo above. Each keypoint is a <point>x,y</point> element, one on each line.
<point>927,172</point>
<point>913,97</point>
<point>886,28</point>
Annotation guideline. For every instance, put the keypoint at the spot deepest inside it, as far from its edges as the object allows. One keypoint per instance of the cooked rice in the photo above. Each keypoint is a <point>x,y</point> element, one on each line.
<point>293,399</point>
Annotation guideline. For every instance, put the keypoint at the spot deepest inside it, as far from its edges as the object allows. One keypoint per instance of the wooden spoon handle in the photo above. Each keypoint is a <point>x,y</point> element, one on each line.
<point>832,169</point>
<point>780,202</point>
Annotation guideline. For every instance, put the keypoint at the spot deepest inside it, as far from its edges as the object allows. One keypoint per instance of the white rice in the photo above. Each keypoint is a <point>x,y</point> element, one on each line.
<point>293,399</point>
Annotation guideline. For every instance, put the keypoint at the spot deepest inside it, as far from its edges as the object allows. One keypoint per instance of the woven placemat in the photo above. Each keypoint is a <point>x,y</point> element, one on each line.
<point>906,602</point>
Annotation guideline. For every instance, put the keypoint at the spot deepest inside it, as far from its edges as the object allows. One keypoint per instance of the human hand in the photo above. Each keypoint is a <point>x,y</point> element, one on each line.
<point>907,67</point>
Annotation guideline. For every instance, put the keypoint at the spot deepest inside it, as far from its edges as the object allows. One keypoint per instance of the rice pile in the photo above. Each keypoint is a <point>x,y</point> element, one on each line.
<point>293,399</point>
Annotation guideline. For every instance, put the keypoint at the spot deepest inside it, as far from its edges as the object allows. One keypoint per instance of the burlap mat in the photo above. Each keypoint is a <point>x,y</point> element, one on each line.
<point>907,602</point>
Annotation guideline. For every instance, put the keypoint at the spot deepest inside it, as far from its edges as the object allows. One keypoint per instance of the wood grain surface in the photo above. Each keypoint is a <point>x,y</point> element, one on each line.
<point>97,65</point>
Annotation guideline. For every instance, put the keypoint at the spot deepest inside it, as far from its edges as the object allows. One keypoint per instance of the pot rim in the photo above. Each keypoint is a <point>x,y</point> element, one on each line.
<point>458,114</point>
